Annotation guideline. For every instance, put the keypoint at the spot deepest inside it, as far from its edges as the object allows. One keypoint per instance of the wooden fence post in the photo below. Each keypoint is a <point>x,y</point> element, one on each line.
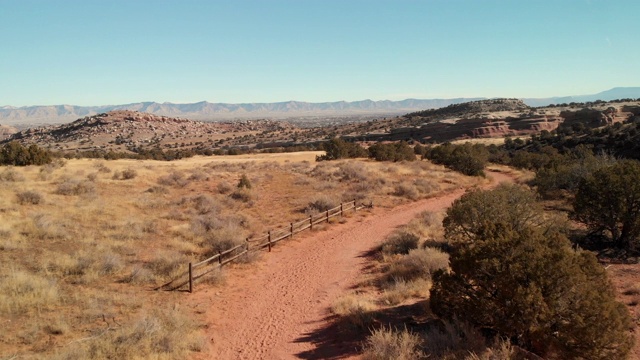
<point>219,257</point>
<point>327,215</point>
<point>269,233</point>
<point>292,230</point>
<point>341,214</point>
<point>190,278</point>
<point>310,222</point>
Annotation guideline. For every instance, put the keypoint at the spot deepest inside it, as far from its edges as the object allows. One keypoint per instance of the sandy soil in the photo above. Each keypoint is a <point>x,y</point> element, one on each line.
<point>277,308</point>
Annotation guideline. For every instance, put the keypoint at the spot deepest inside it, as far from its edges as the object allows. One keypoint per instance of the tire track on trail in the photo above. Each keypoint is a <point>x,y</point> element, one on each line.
<point>264,310</point>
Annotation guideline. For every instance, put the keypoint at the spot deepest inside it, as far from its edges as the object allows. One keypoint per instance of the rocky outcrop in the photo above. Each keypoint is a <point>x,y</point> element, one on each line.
<point>593,117</point>
<point>475,107</point>
<point>501,117</point>
<point>123,130</point>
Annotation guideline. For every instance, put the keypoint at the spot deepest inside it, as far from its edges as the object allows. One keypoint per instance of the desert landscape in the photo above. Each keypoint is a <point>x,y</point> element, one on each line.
<point>96,246</point>
<point>336,179</point>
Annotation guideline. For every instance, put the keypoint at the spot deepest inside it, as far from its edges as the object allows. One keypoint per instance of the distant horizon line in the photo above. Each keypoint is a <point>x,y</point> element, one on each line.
<point>316,102</point>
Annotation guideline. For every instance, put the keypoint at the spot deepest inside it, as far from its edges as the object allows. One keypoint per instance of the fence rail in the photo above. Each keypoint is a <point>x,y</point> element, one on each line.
<point>268,240</point>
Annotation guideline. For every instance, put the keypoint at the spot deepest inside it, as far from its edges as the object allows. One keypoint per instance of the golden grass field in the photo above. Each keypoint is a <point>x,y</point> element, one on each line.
<point>84,242</point>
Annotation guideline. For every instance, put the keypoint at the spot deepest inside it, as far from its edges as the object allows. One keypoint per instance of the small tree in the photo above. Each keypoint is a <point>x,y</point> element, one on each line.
<point>536,291</point>
<point>608,202</point>
<point>337,148</point>
<point>14,153</point>
<point>244,182</point>
<point>514,205</point>
<point>399,151</point>
<point>467,158</point>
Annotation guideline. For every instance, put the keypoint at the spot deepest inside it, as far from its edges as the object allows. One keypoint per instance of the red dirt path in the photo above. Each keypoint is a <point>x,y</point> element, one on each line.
<point>276,308</point>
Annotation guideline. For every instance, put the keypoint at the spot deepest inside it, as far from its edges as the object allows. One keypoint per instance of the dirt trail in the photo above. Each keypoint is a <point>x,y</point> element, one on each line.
<point>272,309</point>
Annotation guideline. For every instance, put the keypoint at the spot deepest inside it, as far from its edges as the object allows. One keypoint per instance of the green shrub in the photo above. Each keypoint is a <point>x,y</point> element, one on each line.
<point>455,339</point>
<point>398,151</point>
<point>337,148</point>
<point>244,182</point>
<point>534,289</point>
<point>14,153</point>
<point>513,204</point>
<point>564,173</point>
<point>608,203</point>
<point>467,159</point>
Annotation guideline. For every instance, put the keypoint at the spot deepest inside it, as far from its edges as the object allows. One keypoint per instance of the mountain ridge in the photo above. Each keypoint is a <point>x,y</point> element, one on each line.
<point>206,111</point>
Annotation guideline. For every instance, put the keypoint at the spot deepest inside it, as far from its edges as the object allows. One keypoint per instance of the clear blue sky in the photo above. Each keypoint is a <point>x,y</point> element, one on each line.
<point>98,52</point>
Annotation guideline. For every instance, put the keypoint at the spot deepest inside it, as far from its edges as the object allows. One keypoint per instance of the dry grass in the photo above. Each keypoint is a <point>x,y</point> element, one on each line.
<point>71,187</point>
<point>400,242</point>
<point>93,245</point>
<point>167,334</point>
<point>29,197</point>
<point>388,344</point>
<point>11,175</point>
<point>418,263</point>
<point>355,311</point>
<point>400,290</point>
<point>22,292</point>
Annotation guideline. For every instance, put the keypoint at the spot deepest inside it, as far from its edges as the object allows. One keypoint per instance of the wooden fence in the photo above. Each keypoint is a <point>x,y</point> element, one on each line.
<point>267,241</point>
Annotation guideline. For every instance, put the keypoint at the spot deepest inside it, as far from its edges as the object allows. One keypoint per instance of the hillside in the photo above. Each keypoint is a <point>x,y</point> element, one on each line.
<point>126,130</point>
<point>490,118</point>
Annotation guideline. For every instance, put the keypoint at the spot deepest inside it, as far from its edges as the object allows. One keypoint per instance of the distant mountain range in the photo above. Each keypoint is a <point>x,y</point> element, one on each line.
<point>281,110</point>
<point>611,94</point>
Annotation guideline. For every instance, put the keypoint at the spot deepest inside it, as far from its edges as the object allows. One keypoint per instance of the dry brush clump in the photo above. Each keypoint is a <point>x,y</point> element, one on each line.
<point>406,190</point>
<point>243,195</point>
<point>11,175</point>
<point>355,312</point>
<point>400,242</point>
<point>159,334</point>
<point>174,179</point>
<point>126,174</point>
<point>218,233</point>
<point>29,197</point>
<point>388,344</point>
<point>417,264</point>
<point>321,203</point>
<point>71,187</point>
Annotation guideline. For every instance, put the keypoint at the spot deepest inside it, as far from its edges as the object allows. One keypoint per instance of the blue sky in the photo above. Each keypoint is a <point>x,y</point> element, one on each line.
<point>95,52</point>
